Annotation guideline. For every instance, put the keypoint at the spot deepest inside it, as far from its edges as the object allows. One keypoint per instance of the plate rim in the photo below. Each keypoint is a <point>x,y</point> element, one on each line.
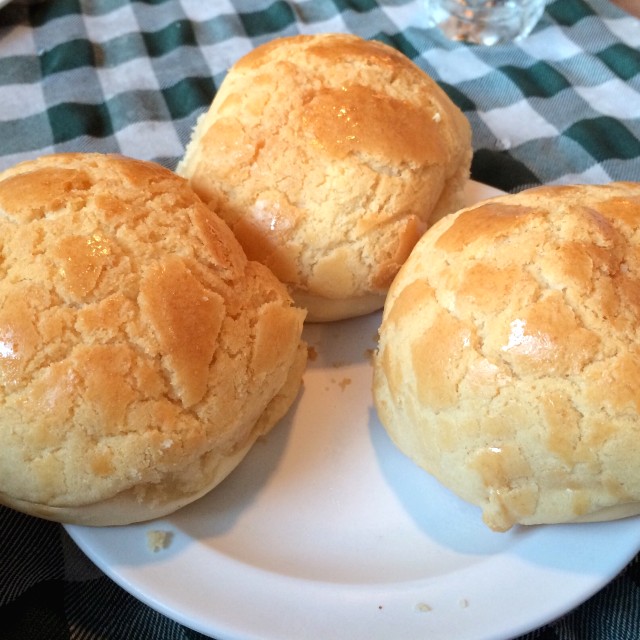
<point>145,582</point>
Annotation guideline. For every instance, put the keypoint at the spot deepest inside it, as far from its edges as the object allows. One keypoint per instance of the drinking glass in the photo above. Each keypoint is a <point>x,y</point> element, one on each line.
<point>485,22</point>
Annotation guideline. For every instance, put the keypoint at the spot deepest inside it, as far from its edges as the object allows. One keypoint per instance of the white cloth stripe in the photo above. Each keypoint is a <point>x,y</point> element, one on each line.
<point>149,140</point>
<point>614,98</point>
<point>18,41</point>
<point>457,65</point>
<point>517,124</point>
<point>21,101</point>
<point>626,29</point>
<point>550,44</point>
<point>105,27</point>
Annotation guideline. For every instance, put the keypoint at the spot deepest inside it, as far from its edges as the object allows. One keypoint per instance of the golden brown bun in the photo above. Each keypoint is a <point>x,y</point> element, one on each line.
<point>328,155</point>
<point>509,356</point>
<point>141,353</point>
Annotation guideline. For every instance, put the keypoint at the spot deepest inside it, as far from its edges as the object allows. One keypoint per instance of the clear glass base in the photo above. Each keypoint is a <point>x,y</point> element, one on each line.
<point>486,22</point>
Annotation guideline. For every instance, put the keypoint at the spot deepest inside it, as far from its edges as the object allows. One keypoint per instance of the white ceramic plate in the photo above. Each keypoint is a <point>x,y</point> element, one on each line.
<point>327,531</point>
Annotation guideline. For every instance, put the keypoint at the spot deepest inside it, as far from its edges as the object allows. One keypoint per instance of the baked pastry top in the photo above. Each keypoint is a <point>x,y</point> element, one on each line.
<point>141,353</point>
<point>329,155</point>
<point>509,355</point>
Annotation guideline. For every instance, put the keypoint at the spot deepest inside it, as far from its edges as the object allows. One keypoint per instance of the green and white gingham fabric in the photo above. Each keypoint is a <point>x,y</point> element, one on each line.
<point>132,77</point>
<point>111,75</point>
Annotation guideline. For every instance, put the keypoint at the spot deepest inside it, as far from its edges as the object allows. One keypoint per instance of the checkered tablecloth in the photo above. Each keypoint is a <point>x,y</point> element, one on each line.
<point>132,76</point>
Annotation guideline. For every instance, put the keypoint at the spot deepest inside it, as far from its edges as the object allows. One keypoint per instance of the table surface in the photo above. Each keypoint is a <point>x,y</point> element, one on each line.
<point>561,106</point>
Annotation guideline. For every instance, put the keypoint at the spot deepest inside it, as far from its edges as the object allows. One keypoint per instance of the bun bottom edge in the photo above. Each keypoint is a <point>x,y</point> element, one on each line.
<point>321,309</point>
<point>129,506</point>
<point>125,507</point>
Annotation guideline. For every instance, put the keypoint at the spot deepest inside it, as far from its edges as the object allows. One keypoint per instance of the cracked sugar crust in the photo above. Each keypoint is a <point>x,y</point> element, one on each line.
<point>328,156</point>
<point>509,355</point>
<point>136,339</point>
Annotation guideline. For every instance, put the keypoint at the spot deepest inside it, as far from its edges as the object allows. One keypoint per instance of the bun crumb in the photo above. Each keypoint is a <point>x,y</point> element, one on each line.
<point>158,540</point>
